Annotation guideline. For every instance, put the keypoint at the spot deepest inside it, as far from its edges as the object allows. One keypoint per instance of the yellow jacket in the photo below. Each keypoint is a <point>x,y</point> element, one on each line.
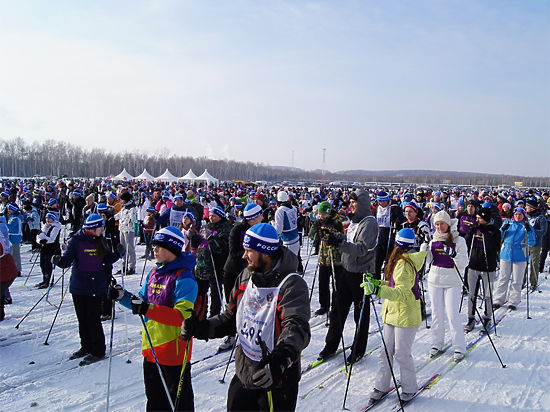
<point>401,308</point>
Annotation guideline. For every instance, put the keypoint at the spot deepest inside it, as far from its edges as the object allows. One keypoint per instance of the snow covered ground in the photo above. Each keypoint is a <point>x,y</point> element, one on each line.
<point>53,383</point>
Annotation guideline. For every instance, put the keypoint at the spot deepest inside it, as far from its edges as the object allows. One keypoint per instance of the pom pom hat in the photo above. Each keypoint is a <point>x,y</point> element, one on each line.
<point>93,222</point>
<point>252,210</point>
<point>262,238</point>
<point>170,238</point>
<point>405,238</point>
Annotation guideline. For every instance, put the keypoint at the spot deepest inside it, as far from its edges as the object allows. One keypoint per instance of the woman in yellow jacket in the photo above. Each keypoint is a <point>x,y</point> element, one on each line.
<point>400,314</point>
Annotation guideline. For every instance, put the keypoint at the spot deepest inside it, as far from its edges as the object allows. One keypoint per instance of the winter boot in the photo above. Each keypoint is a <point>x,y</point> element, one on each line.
<point>89,359</point>
<point>227,343</point>
<point>470,325</point>
<point>486,322</point>
<point>78,354</point>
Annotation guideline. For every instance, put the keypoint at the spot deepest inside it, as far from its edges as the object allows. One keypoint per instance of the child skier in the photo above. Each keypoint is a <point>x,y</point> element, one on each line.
<point>48,239</point>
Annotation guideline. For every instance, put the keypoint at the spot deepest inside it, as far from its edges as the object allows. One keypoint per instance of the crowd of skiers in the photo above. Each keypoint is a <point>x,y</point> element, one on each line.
<point>241,245</point>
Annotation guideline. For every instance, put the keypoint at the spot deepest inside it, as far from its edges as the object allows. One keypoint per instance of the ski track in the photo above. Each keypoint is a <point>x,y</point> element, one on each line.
<point>57,384</point>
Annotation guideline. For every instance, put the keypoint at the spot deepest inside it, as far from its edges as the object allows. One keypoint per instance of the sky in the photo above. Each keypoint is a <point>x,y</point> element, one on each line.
<point>411,84</point>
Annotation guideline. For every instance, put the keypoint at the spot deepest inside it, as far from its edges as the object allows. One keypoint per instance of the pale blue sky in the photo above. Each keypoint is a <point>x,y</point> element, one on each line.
<point>450,85</point>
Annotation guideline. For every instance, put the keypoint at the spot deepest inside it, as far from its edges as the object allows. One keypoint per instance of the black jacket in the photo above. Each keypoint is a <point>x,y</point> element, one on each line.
<point>481,238</point>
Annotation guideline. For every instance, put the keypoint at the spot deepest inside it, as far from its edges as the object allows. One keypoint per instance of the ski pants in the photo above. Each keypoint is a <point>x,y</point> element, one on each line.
<point>240,398</point>
<point>475,278</point>
<point>88,313</point>
<point>446,304</point>
<point>348,291</point>
<point>46,266</point>
<point>544,250</point>
<point>325,273</point>
<point>534,261</point>
<point>155,392</point>
<point>127,239</point>
<point>399,342</point>
<point>15,251</point>
<point>515,271</point>
<point>4,286</point>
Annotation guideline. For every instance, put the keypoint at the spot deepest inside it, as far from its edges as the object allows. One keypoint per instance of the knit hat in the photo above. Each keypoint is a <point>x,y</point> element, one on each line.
<point>260,196</point>
<point>52,201</point>
<point>533,203</point>
<point>52,216</point>
<point>262,238</point>
<point>282,196</point>
<point>485,214</point>
<point>218,211</point>
<point>506,206</point>
<point>436,205</point>
<point>521,210</point>
<point>93,222</point>
<point>405,238</point>
<point>112,195</point>
<point>382,196</point>
<point>411,205</point>
<point>5,194</point>
<point>126,196</point>
<point>324,207</point>
<point>13,207</point>
<point>442,216</point>
<point>77,192</point>
<point>102,208</point>
<point>188,214</point>
<point>179,196</point>
<point>170,238</point>
<point>151,209</point>
<point>252,211</point>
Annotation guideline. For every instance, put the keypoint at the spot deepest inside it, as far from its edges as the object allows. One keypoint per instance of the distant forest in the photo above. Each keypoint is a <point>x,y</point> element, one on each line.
<point>58,158</point>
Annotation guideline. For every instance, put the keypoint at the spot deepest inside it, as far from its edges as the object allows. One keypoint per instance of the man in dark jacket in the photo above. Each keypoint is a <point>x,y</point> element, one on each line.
<point>358,256</point>
<point>483,242</point>
<point>538,221</point>
<point>269,310</point>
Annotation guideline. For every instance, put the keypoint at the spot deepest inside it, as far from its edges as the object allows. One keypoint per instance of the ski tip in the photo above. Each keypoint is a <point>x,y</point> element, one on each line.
<point>128,361</point>
<point>31,362</point>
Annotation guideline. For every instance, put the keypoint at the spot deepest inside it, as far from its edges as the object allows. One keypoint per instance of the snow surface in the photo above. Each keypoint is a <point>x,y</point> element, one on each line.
<point>53,383</point>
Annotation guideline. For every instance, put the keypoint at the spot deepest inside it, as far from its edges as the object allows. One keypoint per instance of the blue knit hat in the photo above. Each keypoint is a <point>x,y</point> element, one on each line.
<point>77,192</point>
<point>170,238</point>
<point>179,196</point>
<point>13,207</point>
<point>405,238</point>
<point>102,208</point>
<point>262,238</point>
<point>413,205</point>
<point>521,210</point>
<point>52,201</point>
<point>151,209</point>
<point>188,214</point>
<point>52,216</point>
<point>218,211</point>
<point>93,222</point>
<point>252,210</point>
<point>382,196</point>
<point>5,194</point>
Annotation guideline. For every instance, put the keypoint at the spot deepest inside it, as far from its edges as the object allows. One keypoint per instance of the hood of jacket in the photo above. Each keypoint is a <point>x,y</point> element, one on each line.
<point>363,206</point>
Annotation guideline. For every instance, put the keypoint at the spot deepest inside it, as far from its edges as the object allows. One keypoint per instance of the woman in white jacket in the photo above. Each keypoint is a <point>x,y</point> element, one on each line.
<point>447,258</point>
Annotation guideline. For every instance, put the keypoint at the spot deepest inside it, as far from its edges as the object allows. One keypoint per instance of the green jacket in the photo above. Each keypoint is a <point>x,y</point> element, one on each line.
<point>401,308</point>
<point>321,228</point>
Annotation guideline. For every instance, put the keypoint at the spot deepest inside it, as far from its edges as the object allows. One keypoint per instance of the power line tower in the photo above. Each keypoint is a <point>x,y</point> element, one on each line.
<point>324,161</point>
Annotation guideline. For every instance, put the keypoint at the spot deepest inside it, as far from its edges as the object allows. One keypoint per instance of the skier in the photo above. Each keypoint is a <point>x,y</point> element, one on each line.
<point>390,219</point>
<point>448,257</point>
<point>88,253</point>
<point>483,242</point>
<point>358,256</point>
<point>15,228</point>
<point>269,310</point>
<point>48,239</point>
<point>8,271</point>
<point>128,220</point>
<point>166,298</point>
<point>400,313</point>
<point>539,224</point>
<point>286,222</point>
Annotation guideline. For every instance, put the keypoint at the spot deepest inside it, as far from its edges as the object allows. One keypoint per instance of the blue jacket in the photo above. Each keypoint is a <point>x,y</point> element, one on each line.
<point>513,241</point>
<point>539,223</point>
<point>88,275</point>
<point>15,228</point>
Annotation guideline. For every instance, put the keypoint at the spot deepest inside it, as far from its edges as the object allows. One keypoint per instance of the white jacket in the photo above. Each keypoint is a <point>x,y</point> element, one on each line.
<point>126,218</point>
<point>441,277</point>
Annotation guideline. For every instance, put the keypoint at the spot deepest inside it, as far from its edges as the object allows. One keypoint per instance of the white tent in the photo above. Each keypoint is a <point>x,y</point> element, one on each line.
<point>167,177</point>
<point>124,175</point>
<point>207,177</point>
<point>145,175</point>
<point>189,176</point>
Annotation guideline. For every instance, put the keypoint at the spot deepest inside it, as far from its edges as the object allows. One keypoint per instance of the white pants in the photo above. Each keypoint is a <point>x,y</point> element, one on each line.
<point>128,240</point>
<point>515,270</point>
<point>446,302</point>
<point>399,342</point>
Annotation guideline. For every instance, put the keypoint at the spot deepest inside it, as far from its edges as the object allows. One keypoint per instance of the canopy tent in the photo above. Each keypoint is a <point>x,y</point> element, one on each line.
<point>167,177</point>
<point>124,175</point>
<point>189,176</point>
<point>207,177</point>
<point>145,175</point>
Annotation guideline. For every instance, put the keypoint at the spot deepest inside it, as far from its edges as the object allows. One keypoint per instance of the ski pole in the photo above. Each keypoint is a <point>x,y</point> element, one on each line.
<point>489,283</point>
<point>125,262</point>
<point>479,316</point>
<point>182,374</point>
<point>313,284</point>
<point>222,380</point>
<point>387,353</point>
<point>110,354</point>
<point>527,272</point>
<point>146,258</point>
<point>157,363</point>
<point>32,267</point>
<point>310,252</point>
<point>338,312</point>
<point>354,345</point>
<point>265,355</point>
<point>35,305</point>
<point>55,317</point>
<point>216,278</point>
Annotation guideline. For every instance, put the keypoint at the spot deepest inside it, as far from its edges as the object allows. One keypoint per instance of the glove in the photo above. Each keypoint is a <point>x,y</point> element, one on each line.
<point>56,259</point>
<point>449,251</point>
<point>505,227</point>
<point>193,327</point>
<point>527,226</point>
<point>324,232</point>
<point>195,240</point>
<point>121,249</point>
<point>139,306</point>
<point>272,369</point>
<point>371,285</point>
<point>335,239</point>
<point>43,241</point>
<point>115,293</point>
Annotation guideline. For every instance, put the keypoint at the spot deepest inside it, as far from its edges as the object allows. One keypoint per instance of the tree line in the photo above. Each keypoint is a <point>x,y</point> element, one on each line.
<point>58,158</point>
